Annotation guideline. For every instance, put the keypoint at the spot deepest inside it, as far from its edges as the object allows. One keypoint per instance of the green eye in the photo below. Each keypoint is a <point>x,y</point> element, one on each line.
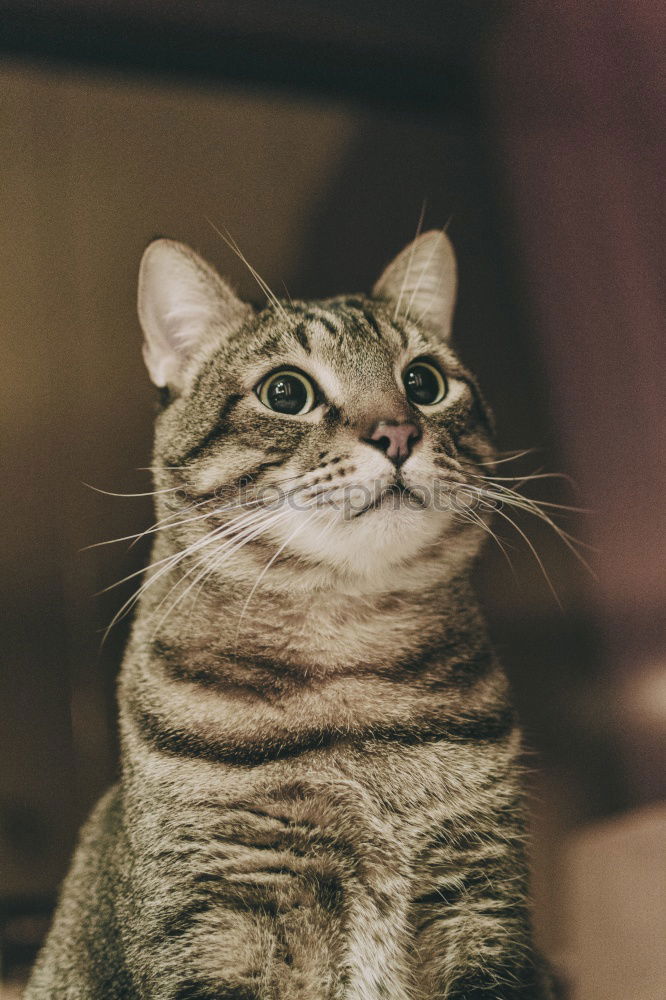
<point>287,392</point>
<point>424,384</point>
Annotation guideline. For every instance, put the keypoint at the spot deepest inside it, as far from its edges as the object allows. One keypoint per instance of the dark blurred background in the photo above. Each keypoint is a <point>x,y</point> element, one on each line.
<point>315,135</point>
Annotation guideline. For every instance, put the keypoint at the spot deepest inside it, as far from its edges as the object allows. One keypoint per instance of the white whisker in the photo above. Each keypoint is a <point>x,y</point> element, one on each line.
<point>266,568</point>
<point>509,457</point>
<point>532,507</point>
<point>162,525</point>
<point>169,562</point>
<point>231,243</point>
<point>534,553</point>
<point>241,538</point>
<point>149,493</point>
<point>477,519</point>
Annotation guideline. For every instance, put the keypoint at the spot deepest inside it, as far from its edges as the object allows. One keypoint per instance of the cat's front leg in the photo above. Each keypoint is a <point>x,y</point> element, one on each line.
<point>528,982</point>
<point>247,953</point>
<point>472,934</point>
<point>467,958</point>
<point>244,927</point>
<point>260,900</point>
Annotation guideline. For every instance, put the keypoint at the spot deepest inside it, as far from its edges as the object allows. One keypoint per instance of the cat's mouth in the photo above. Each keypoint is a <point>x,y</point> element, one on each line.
<point>397,495</point>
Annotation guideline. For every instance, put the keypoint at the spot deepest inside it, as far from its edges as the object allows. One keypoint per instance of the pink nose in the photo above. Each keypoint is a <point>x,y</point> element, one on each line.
<point>394,439</point>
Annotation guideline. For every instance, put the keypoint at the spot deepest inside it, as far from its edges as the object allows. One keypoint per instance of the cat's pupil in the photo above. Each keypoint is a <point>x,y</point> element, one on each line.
<point>287,394</point>
<point>423,384</point>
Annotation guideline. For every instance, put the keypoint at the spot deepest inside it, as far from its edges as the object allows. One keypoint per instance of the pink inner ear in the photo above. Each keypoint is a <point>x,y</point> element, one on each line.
<point>182,302</point>
<point>184,327</point>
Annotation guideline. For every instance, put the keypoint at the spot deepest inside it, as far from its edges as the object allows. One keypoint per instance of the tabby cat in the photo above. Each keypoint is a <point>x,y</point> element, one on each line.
<point>320,792</point>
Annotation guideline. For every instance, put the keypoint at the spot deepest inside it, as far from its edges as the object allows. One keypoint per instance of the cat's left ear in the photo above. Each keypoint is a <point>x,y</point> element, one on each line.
<point>421,283</point>
<point>183,305</point>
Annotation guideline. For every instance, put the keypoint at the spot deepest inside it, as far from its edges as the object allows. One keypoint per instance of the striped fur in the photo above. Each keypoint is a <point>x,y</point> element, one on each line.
<point>320,792</point>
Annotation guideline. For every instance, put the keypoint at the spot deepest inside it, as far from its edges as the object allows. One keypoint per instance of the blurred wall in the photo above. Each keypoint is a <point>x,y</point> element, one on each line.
<point>577,98</point>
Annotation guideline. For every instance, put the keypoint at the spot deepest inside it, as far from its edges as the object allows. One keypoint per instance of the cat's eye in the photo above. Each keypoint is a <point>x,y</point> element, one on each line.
<point>288,392</point>
<point>424,384</point>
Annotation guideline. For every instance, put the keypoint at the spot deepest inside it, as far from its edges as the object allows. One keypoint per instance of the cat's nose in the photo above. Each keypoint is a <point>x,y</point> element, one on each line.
<point>395,439</point>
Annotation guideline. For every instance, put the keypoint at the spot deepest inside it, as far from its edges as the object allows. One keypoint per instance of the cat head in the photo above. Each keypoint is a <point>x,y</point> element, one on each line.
<point>337,436</point>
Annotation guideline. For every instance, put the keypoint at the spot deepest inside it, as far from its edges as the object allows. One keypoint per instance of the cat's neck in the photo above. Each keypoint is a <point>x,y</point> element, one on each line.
<point>311,621</point>
<point>277,664</point>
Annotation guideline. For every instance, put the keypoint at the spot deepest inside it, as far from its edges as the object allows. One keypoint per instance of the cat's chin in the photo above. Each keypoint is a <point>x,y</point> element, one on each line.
<point>393,498</point>
<point>374,542</point>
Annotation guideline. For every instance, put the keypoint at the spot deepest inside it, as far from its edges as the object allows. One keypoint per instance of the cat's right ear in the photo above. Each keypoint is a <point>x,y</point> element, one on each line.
<point>421,283</point>
<point>183,305</point>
